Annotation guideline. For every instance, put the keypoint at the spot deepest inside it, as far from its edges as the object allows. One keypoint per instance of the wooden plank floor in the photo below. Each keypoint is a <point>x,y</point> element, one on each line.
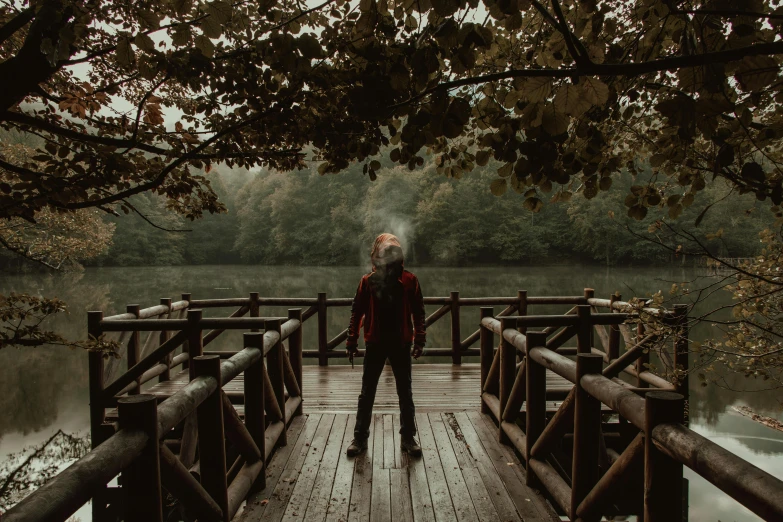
<point>335,389</point>
<point>464,474</point>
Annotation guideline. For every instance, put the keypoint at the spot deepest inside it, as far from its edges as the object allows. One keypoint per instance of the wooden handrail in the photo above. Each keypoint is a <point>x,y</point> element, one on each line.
<point>437,314</point>
<point>153,311</point>
<point>347,301</point>
<point>749,485</point>
<point>627,307</point>
<point>212,335</point>
<point>472,338</point>
<point>145,364</point>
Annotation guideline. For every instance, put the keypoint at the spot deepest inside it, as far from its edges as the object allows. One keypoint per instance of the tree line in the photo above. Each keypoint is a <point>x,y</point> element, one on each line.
<point>305,218</point>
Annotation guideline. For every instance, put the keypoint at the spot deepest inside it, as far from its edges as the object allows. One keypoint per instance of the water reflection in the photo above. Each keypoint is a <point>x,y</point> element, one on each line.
<point>42,389</point>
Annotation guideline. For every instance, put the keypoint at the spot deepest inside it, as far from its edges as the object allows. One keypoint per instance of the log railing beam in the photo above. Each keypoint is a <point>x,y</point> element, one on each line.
<point>507,364</point>
<point>613,484</point>
<point>487,347</point>
<point>295,351</point>
<point>178,480</point>
<point>275,369</point>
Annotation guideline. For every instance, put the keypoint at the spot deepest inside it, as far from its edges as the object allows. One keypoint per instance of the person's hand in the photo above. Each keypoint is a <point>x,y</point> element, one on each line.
<point>350,351</point>
<point>417,351</point>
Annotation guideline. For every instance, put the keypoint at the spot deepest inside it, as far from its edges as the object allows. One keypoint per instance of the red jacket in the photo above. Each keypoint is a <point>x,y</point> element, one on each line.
<point>364,307</point>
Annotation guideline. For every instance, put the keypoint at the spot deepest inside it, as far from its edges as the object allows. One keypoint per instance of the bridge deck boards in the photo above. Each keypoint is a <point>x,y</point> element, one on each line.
<point>335,389</point>
<point>461,473</point>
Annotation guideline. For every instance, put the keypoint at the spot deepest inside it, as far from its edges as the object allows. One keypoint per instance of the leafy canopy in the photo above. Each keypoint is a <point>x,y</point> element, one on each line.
<point>134,96</point>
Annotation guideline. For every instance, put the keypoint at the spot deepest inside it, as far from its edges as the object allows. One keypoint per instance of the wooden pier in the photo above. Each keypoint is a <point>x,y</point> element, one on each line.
<point>539,429</point>
<point>464,474</point>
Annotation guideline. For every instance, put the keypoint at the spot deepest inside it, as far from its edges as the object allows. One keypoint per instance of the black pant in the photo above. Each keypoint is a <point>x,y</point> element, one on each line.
<point>374,359</point>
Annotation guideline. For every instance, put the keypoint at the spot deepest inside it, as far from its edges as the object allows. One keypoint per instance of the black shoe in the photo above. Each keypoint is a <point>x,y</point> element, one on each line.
<point>357,446</point>
<point>410,445</point>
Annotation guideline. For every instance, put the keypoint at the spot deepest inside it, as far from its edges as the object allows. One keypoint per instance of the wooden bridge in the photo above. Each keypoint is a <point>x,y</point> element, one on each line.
<point>537,429</point>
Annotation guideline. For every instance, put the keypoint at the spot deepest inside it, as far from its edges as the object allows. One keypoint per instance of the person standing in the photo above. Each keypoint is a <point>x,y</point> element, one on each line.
<point>390,306</point>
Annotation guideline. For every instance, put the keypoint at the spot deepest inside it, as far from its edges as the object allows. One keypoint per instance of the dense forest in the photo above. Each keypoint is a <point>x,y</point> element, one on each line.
<point>305,218</point>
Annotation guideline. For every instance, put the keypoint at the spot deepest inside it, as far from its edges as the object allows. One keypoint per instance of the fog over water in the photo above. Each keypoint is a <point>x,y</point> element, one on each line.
<point>44,389</point>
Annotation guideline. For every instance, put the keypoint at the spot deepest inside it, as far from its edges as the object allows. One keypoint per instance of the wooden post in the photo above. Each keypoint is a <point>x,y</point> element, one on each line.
<point>535,414</point>
<point>522,311</point>
<point>134,347</point>
<point>584,334</point>
<point>508,367</point>
<point>614,331</point>
<point>254,308</point>
<point>456,342</point>
<point>275,371</point>
<point>195,342</point>
<point>254,399</point>
<point>487,350</point>
<point>323,359</point>
<point>643,361</point>
<point>587,432</point>
<point>185,345</point>
<point>589,293</point>
<point>663,496</point>
<point>295,352</point>
<point>681,350</point>
<point>165,335</point>
<point>211,439</point>
<point>97,410</point>
<point>141,479</point>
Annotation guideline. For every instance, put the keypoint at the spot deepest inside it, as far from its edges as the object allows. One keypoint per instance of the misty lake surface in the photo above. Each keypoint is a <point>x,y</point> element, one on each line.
<point>45,389</point>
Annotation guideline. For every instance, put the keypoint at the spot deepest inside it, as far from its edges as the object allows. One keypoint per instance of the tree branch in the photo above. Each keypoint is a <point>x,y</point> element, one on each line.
<point>148,220</point>
<point>728,13</point>
<point>25,119</point>
<point>624,69</point>
<point>24,254</point>
<point>570,39</point>
<point>17,22</point>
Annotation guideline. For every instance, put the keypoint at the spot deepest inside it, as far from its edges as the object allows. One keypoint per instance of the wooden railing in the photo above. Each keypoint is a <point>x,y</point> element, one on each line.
<point>590,467</point>
<point>327,348</point>
<point>153,445</point>
<point>582,461</point>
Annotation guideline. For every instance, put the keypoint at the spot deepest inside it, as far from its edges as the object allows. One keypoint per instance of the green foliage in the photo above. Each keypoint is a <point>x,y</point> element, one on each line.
<point>305,218</point>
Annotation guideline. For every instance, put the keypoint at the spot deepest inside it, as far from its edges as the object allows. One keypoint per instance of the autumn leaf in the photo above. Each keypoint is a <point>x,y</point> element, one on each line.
<point>537,89</point>
<point>124,53</point>
<point>205,45</point>
<point>499,187</point>
<point>572,100</point>
<point>144,42</point>
<point>554,122</point>
<point>595,91</point>
<point>757,72</point>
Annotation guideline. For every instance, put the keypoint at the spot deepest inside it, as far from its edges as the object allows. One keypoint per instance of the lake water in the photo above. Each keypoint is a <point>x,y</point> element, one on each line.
<point>45,389</point>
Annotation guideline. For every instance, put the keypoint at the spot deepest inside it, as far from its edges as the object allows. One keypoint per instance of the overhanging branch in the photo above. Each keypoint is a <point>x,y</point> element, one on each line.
<point>603,69</point>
